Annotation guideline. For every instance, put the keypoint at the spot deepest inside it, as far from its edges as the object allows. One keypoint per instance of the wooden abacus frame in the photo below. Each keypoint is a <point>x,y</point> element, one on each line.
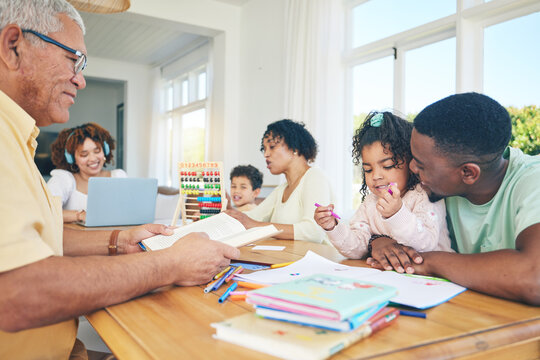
<point>191,175</point>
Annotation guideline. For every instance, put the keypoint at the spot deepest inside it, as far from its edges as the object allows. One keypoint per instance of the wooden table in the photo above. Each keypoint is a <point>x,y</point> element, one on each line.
<point>174,323</point>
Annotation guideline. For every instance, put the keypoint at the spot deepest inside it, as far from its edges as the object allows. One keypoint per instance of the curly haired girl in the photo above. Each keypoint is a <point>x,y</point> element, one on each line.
<point>395,206</point>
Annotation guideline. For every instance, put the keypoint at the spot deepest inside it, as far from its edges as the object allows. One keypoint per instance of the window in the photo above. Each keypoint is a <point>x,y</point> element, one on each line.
<point>430,75</point>
<point>511,53</point>
<point>377,19</point>
<point>201,86</point>
<point>184,108</point>
<point>193,130</point>
<point>372,91</point>
<point>404,55</point>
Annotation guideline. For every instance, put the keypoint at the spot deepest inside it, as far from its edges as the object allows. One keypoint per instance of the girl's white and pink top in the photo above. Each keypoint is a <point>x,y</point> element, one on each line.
<point>419,224</point>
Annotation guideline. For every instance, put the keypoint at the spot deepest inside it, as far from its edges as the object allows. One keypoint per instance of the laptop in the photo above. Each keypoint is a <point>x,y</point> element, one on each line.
<point>120,201</point>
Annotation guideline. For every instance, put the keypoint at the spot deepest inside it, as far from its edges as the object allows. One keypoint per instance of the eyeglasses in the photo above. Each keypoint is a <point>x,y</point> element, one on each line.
<point>80,64</point>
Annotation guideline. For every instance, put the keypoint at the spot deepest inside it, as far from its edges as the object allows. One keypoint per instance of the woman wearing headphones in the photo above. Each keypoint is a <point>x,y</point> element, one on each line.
<point>80,153</point>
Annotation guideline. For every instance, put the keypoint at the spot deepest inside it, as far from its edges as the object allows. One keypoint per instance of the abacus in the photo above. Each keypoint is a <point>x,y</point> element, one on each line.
<point>201,194</point>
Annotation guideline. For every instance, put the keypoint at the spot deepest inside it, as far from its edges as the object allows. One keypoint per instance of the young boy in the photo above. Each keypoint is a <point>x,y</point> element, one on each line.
<point>246,181</point>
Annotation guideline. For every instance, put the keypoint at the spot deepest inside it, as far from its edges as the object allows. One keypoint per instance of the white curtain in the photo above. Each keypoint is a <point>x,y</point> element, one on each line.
<point>158,133</point>
<point>314,83</point>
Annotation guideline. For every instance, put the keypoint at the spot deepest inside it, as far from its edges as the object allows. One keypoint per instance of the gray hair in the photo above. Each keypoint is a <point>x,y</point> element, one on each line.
<point>38,15</point>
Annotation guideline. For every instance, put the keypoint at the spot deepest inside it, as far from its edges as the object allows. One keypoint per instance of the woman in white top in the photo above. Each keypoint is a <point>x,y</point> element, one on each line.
<point>79,154</point>
<point>289,149</point>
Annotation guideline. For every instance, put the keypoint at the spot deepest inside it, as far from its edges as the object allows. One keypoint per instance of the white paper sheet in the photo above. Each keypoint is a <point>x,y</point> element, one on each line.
<point>413,291</point>
<point>268,247</point>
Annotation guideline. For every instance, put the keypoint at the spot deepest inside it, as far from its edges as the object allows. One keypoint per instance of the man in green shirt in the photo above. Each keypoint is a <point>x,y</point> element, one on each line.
<point>492,192</point>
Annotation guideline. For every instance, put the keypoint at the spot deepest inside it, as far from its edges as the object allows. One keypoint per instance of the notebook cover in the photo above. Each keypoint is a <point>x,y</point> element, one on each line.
<point>326,296</point>
<point>285,340</point>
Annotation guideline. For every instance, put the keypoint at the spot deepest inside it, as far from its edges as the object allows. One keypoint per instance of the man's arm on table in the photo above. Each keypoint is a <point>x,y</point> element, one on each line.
<point>78,242</point>
<point>59,288</point>
<point>511,274</point>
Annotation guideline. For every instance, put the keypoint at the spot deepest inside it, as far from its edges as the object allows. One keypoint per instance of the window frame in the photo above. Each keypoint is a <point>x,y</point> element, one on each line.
<point>173,117</point>
<point>467,25</point>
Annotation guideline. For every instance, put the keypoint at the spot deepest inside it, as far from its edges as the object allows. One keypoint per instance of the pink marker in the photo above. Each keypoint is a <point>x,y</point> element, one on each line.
<point>332,213</point>
<point>390,190</point>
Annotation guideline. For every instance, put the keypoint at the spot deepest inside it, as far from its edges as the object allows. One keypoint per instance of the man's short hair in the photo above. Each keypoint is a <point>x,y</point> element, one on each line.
<point>251,172</point>
<point>466,124</point>
<point>37,15</point>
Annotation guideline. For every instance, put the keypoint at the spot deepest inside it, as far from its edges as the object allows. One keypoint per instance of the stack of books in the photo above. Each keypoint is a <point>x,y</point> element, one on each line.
<point>317,316</point>
<point>324,301</point>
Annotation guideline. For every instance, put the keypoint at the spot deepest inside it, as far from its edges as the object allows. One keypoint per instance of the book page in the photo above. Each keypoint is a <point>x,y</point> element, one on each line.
<point>416,291</point>
<point>217,227</point>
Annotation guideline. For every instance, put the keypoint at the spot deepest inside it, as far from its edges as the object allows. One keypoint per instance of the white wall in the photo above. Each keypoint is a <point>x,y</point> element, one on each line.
<point>137,108</point>
<point>96,103</point>
<point>262,79</point>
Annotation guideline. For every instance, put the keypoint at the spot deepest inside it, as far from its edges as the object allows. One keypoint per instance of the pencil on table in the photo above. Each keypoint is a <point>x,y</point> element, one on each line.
<point>274,266</point>
<point>220,274</point>
<point>238,270</point>
<point>221,280</point>
<point>210,285</point>
<point>251,285</point>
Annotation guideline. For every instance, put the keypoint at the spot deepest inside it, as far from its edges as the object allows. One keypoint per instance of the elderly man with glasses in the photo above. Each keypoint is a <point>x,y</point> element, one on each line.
<point>43,287</point>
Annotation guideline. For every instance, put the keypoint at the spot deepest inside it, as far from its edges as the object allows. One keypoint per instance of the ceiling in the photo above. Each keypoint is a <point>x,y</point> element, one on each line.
<point>137,38</point>
<point>234,2</point>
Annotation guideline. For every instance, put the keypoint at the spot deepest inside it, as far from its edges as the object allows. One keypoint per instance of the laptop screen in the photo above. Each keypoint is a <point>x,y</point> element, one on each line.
<point>120,201</point>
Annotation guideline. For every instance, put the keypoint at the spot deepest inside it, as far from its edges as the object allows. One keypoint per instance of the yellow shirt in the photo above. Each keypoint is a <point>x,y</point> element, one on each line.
<point>30,229</point>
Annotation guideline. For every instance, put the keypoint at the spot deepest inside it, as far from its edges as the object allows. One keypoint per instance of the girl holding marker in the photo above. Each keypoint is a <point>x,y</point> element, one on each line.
<point>396,205</point>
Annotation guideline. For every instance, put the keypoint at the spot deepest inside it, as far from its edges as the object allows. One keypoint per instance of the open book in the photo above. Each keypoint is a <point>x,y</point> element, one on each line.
<point>220,227</point>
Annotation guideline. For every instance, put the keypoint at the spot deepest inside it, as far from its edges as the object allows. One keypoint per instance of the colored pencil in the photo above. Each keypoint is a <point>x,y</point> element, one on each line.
<point>274,266</point>
<point>210,285</point>
<point>220,274</point>
<point>239,293</point>
<point>238,270</point>
<point>221,280</point>
<point>251,285</point>
<point>417,314</point>
<point>384,321</point>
